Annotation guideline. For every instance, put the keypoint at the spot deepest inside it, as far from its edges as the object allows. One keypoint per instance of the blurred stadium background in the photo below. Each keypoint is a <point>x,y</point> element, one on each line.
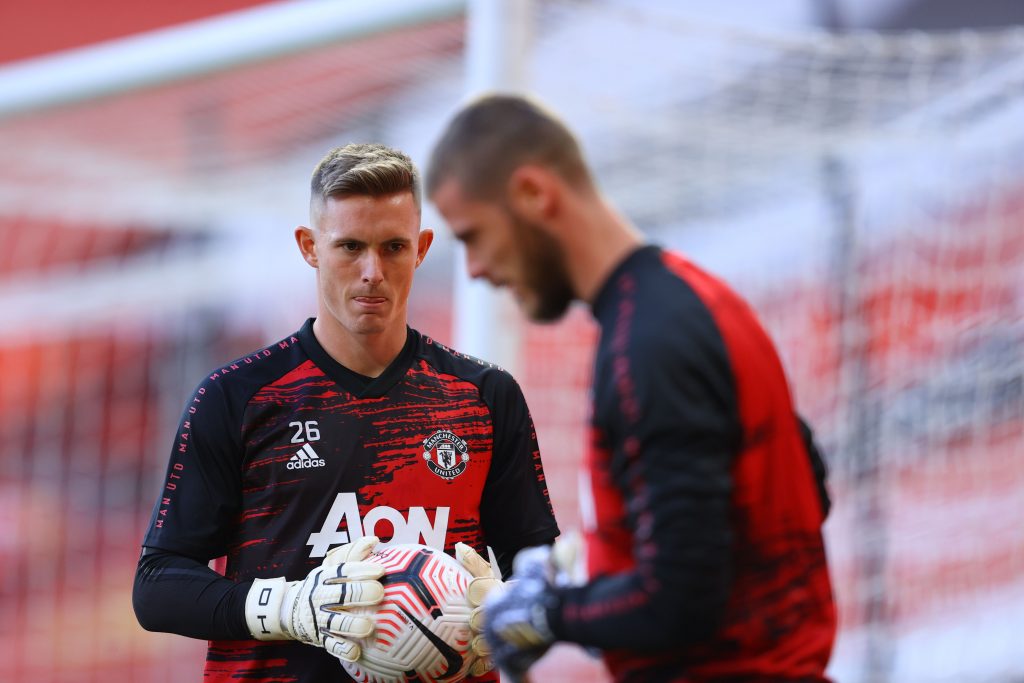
<point>855,168</point>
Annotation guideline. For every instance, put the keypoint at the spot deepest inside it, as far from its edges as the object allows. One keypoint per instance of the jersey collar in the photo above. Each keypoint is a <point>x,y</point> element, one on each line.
<point>608,289</point>
<point>358,385</point>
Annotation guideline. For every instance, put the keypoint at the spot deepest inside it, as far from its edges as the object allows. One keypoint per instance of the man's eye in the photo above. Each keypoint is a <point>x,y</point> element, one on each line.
<point>396,246</point>
<point>350,246</point>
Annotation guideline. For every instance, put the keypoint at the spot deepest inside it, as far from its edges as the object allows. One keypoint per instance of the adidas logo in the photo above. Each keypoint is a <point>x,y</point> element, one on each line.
<point>305,458</point>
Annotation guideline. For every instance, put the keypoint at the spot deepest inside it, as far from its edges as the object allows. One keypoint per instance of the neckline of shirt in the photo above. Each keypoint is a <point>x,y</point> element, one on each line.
<point>605,293</point>
<point>354,383</point>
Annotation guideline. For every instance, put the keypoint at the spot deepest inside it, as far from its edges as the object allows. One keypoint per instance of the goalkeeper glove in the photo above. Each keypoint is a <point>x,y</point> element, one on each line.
<point>567,558</point>
<point>484,581</point>
<point>313,610</point>
<point>515,619</point>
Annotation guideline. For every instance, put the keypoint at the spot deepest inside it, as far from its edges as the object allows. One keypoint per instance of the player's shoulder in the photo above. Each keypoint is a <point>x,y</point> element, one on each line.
<point>660,340</point>
<point>243,376</point>
<point>658,310</point>
<point>463,366</point>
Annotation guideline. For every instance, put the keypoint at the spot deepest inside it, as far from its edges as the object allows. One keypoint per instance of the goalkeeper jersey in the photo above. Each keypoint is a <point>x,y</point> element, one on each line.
<point>285,454</point>
<point>704,518</point>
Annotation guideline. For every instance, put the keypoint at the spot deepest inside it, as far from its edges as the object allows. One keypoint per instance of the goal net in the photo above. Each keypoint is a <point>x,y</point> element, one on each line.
<point>864,191</point>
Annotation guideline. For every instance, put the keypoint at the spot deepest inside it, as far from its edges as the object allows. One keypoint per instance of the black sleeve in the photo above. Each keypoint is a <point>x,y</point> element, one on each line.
<point>201,496</point>
<point>515,510</point>
<point>176,594</point>
<point>174,589</point>
<point>669,408</point>
<point>817,466</point>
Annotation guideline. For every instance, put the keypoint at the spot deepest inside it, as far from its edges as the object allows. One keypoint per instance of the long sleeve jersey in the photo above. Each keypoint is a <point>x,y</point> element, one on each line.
<point>704,523</point>
<point>285,453</point>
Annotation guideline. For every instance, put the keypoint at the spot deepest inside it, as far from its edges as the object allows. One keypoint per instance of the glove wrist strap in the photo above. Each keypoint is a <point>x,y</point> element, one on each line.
<point>263,609</point>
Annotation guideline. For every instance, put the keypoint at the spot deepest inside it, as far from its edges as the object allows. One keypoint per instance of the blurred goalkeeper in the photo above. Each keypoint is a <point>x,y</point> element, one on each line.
<point>704,545</point>
<point>290,462</point>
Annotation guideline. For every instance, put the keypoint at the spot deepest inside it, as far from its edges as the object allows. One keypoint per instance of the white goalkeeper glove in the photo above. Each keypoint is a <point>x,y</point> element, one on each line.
<point>314,610</point>
<point>483,583</point>
<point>567,558</point>
<point>515,619</point>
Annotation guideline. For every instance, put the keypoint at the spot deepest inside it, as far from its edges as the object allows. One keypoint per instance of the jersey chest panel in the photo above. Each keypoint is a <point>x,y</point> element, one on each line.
<point>323,467</point>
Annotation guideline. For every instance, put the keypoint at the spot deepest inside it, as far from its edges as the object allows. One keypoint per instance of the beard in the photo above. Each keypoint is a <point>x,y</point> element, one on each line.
<point>545,276</point>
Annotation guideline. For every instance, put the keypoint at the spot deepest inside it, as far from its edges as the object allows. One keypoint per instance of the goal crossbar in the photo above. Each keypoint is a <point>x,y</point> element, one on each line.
<point>204,47</point>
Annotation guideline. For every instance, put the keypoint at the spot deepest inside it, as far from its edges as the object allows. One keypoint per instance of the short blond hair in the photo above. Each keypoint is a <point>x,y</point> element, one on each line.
<point>362,169</point>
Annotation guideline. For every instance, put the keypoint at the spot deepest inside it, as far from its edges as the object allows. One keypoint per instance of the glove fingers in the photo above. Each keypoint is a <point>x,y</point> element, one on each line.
<point>342,649</point>
<point>479,646</point>
<point>566,557</point>
<point>479,588</point>
<point>535,561</point>
<point>354,570</point>
<point>362,548</point>
<point>357,550</point>
<point>341,625</point>
<point>481,666</point>
<point>353,594</point>
<point>523,636</point>
<point>471,560</point>
<point>481,649</point>
<point>476,620</point>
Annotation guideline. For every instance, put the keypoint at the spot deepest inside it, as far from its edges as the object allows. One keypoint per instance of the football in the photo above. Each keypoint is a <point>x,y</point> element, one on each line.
<point>422,626</point>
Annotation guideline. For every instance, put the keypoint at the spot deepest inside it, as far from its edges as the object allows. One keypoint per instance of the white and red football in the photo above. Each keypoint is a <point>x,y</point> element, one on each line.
<point>422,625</point>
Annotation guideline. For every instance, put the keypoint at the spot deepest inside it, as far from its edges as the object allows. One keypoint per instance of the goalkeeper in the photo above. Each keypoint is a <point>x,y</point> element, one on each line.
<point>290,461</point>
<point>707,496</point>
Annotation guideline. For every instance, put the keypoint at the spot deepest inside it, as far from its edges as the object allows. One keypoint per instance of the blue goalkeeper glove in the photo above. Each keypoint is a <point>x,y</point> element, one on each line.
<point>515,619</point>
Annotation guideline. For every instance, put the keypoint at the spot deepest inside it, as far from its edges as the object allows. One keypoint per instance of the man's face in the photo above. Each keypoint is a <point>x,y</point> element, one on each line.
<point>365,250</point>
<point>509,251</point>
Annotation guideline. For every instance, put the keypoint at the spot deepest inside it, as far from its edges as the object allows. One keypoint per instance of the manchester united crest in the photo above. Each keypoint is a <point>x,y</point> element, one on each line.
<point>446,454</point>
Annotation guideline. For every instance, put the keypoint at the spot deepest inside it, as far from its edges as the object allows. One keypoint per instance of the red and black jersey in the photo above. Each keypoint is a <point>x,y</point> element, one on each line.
<point>285,453</point>
<point>704,533</point>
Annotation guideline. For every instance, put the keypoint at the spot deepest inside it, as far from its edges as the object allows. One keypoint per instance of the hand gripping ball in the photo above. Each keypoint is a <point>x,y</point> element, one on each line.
<point>422,625</point>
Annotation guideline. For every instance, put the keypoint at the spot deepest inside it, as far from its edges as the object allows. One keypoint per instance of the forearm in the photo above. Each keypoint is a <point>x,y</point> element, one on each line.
<point>674,587</point>
<point>176,594</point>
<point>621,612</point>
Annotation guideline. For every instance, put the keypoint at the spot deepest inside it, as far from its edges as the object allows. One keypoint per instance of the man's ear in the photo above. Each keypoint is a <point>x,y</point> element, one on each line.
<point>426,238</point>
<point>307,245</point>
<point>534,192</point>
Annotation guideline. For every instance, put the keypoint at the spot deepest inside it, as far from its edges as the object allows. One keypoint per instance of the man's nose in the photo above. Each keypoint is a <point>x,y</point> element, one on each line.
<point>475,266</point>
<point>373,273</point>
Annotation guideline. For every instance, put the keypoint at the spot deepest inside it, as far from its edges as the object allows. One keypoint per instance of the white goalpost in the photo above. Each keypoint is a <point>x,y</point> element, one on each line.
<point>204,47</point>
